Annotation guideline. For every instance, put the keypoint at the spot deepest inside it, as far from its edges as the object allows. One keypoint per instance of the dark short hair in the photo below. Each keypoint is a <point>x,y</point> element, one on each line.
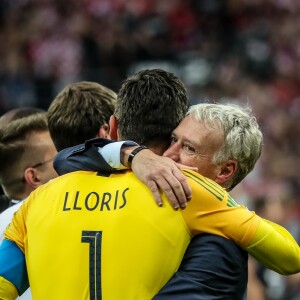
<point>150,104</point>
<point>78,112</point>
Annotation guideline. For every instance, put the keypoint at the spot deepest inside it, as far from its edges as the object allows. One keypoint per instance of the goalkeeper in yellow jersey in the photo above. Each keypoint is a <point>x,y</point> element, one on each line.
<point>88,235</point>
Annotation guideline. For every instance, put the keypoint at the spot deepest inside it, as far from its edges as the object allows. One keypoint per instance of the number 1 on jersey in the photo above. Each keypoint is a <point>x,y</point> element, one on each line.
<point>94,238</point>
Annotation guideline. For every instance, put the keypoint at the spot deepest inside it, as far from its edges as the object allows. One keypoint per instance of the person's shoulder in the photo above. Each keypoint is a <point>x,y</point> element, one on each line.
<point>199,178</point>
<point>202,185</point>
<point>54,183</point>
<point>80,176</point>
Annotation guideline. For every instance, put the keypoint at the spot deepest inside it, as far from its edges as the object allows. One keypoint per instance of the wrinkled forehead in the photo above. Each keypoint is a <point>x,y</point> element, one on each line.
<point>199,132</point>
<point>192,124</point>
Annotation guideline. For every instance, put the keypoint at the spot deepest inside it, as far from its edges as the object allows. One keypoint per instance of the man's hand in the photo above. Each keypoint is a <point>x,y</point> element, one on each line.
<point>162,173</point>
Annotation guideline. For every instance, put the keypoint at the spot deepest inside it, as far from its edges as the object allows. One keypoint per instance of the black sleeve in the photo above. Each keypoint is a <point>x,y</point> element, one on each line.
<point>213,268</point>
<point>82,157</point>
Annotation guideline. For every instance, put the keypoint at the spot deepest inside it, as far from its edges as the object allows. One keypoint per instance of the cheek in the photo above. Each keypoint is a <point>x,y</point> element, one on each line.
<point>188,161</point>
<point>206,169</point>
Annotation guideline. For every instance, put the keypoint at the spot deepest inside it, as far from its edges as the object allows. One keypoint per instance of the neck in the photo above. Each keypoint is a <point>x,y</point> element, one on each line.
<point>159,147</point>
<point>157,150</point>
<point>17,193</point>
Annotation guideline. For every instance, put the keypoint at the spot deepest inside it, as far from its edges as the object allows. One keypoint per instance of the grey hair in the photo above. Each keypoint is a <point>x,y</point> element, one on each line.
<point>242,135</point>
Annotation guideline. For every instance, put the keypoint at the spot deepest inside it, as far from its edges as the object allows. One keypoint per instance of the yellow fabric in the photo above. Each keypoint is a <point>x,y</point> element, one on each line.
<point>270,245</point>
<point>7,290</point>
<point>127,226</point>
<point>221,215</point>
<point>54,223</point>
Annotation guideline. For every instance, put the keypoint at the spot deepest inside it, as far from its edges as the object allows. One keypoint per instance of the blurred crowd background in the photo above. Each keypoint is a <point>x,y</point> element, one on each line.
<point>243,51</point>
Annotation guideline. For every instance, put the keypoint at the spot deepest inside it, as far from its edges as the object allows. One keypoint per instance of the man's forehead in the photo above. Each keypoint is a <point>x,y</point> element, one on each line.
<point>190,125</point>
<point>197,132</point>
<point>187,131</point>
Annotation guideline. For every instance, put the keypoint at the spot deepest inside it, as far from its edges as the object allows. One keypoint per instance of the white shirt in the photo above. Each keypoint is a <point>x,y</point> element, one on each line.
<point>111,153</point>
<point>6,216</point>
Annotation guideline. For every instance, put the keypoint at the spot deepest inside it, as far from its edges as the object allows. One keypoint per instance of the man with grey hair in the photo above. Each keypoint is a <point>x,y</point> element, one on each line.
<point>224,142</point>
<point>228,137</point>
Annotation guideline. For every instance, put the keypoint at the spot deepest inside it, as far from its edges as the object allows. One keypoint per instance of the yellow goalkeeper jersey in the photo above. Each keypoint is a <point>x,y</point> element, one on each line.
<point>87,236</point>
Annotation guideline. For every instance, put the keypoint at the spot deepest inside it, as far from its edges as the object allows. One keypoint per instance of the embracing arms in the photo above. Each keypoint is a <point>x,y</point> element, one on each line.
<point>271,244</point>
<point>164,175</point>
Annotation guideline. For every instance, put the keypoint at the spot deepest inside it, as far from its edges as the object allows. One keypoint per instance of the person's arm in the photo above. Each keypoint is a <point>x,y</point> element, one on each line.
<point>13,272</point>
<point>213,267</point>
<point>160,174</point>
<point>157,172</point>
<point>7,290</point>
<point>274,247</point>
<point>269,243</point>
<point>82,157</point>
<point>100,155</point>
<point>213,211</point>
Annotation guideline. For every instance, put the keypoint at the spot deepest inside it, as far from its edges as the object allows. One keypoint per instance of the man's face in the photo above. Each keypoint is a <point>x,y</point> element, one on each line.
<point>193,144</point>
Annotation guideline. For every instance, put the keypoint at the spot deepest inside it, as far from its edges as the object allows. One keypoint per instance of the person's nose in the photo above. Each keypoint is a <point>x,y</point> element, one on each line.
<point>172,152</point>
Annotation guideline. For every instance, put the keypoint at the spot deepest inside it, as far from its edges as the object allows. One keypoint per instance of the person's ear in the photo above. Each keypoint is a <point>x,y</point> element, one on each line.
<point>113,125</point>
<point>32,178</point>
<point>104,131</point>
<point>227,171</point>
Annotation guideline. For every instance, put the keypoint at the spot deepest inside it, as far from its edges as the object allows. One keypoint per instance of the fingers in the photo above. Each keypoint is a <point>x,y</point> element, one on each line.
<point>159,186</point>
<point>155,192</point>
<point>183,186</point>
<point>174,185</point>
<point>174,192</point>
<point>161,174</point>
<point>177,189</point>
